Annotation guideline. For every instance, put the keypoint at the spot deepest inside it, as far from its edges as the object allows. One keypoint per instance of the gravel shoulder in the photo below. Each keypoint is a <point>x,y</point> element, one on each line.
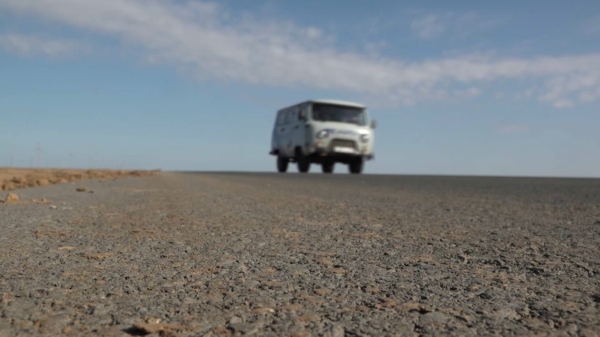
<point>211,254</point>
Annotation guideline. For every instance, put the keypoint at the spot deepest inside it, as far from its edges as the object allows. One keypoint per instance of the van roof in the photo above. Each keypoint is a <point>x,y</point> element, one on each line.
<point>329,101</point>
<point>336,102</point>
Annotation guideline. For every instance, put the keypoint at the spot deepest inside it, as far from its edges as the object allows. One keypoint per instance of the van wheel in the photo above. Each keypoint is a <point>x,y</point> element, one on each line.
<point>282,164</point>
<point>356,166</point>
<point>303,162</point>
<point>327,167</point>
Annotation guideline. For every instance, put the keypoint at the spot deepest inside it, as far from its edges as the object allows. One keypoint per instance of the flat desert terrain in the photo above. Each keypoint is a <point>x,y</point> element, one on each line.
<point>219,254</point>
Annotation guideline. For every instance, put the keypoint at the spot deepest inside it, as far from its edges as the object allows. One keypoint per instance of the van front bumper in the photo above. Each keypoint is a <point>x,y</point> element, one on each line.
<point>320,154</point>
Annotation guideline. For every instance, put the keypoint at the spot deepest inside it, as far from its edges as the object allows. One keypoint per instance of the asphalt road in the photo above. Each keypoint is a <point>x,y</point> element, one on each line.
<point>208,254</point>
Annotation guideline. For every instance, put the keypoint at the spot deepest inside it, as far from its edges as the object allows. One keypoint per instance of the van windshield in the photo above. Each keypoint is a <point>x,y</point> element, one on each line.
<point>337,113</point>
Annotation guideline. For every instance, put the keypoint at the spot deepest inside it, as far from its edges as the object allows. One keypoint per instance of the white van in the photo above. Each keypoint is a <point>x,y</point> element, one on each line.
<point>323,132</point>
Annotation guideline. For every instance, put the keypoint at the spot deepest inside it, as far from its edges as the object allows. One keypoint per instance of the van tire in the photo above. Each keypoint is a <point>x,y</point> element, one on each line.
<point>356,166</point>
<point>327,167</point>
<point>302,161</point>
<point>282,164</point>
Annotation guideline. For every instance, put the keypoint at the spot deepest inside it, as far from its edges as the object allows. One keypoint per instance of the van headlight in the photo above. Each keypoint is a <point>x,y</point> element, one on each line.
<point>322,134</point>
<point>364,138</point>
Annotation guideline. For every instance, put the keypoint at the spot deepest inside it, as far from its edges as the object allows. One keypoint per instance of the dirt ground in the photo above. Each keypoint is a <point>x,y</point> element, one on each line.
<point>17,178</point>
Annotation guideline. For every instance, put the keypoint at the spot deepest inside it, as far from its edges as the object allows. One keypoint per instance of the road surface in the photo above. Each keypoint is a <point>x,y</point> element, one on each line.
<point>211,254</point>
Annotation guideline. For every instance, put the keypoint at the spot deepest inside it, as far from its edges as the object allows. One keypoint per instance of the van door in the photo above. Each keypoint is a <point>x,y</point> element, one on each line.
<point>298,128</point>
<point>290,122</point>
<point>284,133</point>
<point>279,132</point>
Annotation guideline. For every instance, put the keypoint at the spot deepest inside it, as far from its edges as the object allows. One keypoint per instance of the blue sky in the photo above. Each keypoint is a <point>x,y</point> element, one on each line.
<point>463,87</point>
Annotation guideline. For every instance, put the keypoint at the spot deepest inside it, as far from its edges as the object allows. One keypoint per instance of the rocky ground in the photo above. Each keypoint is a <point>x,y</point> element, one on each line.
<point>302,255</point>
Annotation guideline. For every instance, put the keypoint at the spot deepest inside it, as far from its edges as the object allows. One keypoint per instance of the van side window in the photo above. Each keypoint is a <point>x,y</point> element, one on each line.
<point>287,118</point>
<point>283,119</point>
<point>295,114</point>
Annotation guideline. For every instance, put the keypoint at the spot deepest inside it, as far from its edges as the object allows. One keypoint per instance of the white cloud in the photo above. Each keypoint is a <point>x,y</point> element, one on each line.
<point>590,95</point>
<point>524,94</point>
<point>34,45</point>
<point>472,92</point>
<point>563,103</point>
<point>559,88</point>
<point>427,27</point>
<point>451,24</point>
<point>205,40</point>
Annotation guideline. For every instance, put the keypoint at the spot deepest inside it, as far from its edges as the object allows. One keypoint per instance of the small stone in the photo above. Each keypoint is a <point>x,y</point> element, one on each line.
<point>414,307</point>
<point>8,186</point>
<point>113,331</point>
<point>243,328</point>
<point>473,287</point>
<point>162,328</point>
<point>587,333</point>
<point>336,331</point>
<point>372,290</point>
<point>308,318</point>
<point>486,295</point>
<point>11,198</point>
<point>292,307</point>
<point>25,324</point>
<point>52,207</point>
<point>66,248</point>
<point>99,256</point>
<point>151,320</point>
<point>263,311</point>
<point>322,292</point>
<point>325,262</point>
<point>43,182</point>
<point>506,313</point>
<point>435,317</point>
<point>81,189</point>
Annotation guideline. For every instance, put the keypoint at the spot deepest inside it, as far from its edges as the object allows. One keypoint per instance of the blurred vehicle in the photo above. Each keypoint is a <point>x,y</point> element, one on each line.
<point>323,132</point>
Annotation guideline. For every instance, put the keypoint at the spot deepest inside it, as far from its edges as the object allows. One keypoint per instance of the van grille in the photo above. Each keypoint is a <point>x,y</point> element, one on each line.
<point>343,143</point>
